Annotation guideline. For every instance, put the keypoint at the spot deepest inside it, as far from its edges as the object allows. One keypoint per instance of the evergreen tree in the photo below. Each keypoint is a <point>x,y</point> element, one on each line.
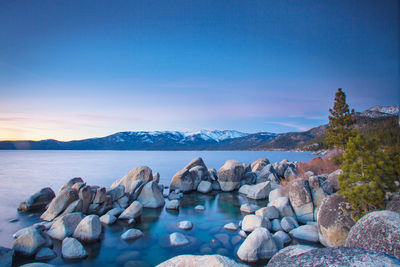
<point>340,121</point>
<point>367,175</point>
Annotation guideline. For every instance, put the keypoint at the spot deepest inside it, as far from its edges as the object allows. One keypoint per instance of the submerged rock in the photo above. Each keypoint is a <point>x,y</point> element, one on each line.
<point>185,225</point>
<point>230,174</point>
<point>72,249</point>
<point>38,201</point>
<point>231,226</point>
<point>132,234</point>
<point>197,261</point>
<point>199,208</point>
<point>259,245</point>
<point>178,239</point>
<point>378,230</point>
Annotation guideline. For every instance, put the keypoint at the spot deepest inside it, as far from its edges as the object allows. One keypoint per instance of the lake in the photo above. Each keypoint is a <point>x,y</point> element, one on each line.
<point>23,173</point>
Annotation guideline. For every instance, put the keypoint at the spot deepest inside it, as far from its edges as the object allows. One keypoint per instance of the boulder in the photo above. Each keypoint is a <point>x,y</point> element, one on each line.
<point>249,208</point>
<point>306,232</point>
<point>131,234</point>
<point>182,180</point>
<point>156,177</point>
<point>194,261</point>
<point>231,226</point>
<point>100,195</point>
<point>283,205</point>
<point>38,264</point>
<point>199,208</point>
<point>29,242</point>
<point>317,193</point>
<point>151,196</point>
<point>229,175</point>
<point>185,225</point>
<point>259,164</point>
<point>301,200</point>
<point>212,173</point>
<point>108,219</point>
<point>288,252</point>
<point>71,182</point>
<point>173,205</point>
<point>251,222</point>
<point>204,187</point>
<point>142,173</point>
<point>115,212</point>
<point>59,204</point>
<point>394,203</point>
<point>72,249</point>
<point>257,191</point>
<point>89,229</point>
<point>378,230</point>
<point>267,174</point>
<point>333,177</point>
<point>178,239</point>
<point>269,213</point>
<point>65,226</point>
<point>283,237</point>
<point>338,256</point>
<point>75,206</point>
<point>45,254</point>
<point>195,162</point>
<point>259,245</point>
<point>275,194</point>
<point>290,173</point>
<point>6,256</point>
<point>281,168</point>
<point>123,202</point>
<point>198,173</point>
<point>288,224</point>
<point>116,192</point>
<point>334,222</point>
<point>85,194</point>
<point>276,225</point>
<point>133,211</point>
<point>248,178</point>
<point>38,201</point>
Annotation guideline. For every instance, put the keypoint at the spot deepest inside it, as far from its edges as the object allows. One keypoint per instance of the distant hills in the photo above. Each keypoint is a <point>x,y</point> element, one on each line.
<point>206,139</point>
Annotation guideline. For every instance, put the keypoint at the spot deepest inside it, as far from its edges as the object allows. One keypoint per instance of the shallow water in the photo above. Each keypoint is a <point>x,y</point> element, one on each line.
<point>25,172</point>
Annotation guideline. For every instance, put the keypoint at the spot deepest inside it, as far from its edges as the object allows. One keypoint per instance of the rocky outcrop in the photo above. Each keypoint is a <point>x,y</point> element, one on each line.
<point>129,181</point>
<point>338,256</point>
<point>29,242</point>
<point>38,201</point>
<point>151,196</point>
<point>65,226</point>
<point>288,252</point>
<point>198,261</point>
<point>59,204</point>
<point>72,249</point>
<point>230,174</point>
<point>6,256</point>
<point>334,222</point>
<point>259,245</point>
<point>257,191</point>
<point>301,200</point>
<point>378,230</point>
<point>133,211</point>
<point>89,229</point>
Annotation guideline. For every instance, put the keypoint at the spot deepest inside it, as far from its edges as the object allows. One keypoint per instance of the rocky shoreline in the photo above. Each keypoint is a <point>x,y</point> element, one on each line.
<point>304,208</point>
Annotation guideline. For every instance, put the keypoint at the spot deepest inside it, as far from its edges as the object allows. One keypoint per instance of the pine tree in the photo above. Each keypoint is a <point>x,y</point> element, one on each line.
<point>367,175</point>
<point>340,121</point>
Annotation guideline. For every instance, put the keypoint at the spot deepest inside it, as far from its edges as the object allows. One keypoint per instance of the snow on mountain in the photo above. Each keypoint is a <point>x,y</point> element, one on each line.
<point>381,111</point>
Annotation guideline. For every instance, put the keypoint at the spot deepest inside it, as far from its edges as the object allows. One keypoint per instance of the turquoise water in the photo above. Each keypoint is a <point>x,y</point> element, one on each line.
<point>25,172</point>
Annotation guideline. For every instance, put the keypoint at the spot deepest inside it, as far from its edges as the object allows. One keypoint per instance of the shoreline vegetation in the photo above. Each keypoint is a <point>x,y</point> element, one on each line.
<point>303,205</point>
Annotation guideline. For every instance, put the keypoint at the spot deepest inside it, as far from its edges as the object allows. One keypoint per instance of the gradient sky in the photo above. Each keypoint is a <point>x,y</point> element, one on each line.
<point>78,69</point>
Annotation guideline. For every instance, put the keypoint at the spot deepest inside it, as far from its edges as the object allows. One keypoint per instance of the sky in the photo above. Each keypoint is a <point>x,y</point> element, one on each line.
<point>79,69</point>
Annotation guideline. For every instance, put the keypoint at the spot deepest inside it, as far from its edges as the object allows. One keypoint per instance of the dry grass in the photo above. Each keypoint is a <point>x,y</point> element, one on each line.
<point>317,166</point>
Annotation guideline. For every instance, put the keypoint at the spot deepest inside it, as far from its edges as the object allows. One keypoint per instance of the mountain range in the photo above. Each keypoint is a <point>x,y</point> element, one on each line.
<point>203,139</point>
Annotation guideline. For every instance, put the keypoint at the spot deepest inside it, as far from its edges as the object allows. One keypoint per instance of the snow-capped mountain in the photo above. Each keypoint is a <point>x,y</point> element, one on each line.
<point>381,111</point>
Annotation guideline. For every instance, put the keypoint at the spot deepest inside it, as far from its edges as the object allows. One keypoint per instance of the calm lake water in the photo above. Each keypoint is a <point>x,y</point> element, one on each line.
<point>23,173</point>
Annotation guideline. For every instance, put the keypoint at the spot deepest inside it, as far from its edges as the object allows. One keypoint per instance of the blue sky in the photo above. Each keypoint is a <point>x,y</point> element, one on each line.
<point>78,69</point>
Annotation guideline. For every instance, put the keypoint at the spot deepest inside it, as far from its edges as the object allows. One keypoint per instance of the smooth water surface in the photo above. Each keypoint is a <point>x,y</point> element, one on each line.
<point>23,173</point>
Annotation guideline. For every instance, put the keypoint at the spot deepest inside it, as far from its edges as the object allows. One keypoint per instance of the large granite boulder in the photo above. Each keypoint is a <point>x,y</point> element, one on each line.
<point>65,226</point>
<point>29,242</point>
<point>288,252</point>
<point>133,211</point>
<point>334,222</point>
<point>267,174</point>
<point>337,257</point>
<point>281,168</point>
<point>100,195</point>
<point>230,174</point>
<point>198,173</point>
<point>88,229</point>
<point>259,164</point>
<point>290,173</point>
<point>116,192</point>
<point>198,261</point>
<point>38,201</point>
<point>182,180</point>
<point>71,182</point>
<point>378,230</point>
<point>301,200</point>
<point>204,187</point>
<point>85,194</point>
<point>257,191</point>
<point>276,193</point>
<point>251,222</point>
<point>317,193</point>
<point>259,245</point>
<point>72,249</point>
<point>269,213</point>
<point>195,162</point>
<point>333,177</point>
<point>151,196</point>
<point>6,256</point>
<point>59,204</point>
<point>283,205</point>
<point>142,173</point>
<point>306,232</point>
<point>189,178</point>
